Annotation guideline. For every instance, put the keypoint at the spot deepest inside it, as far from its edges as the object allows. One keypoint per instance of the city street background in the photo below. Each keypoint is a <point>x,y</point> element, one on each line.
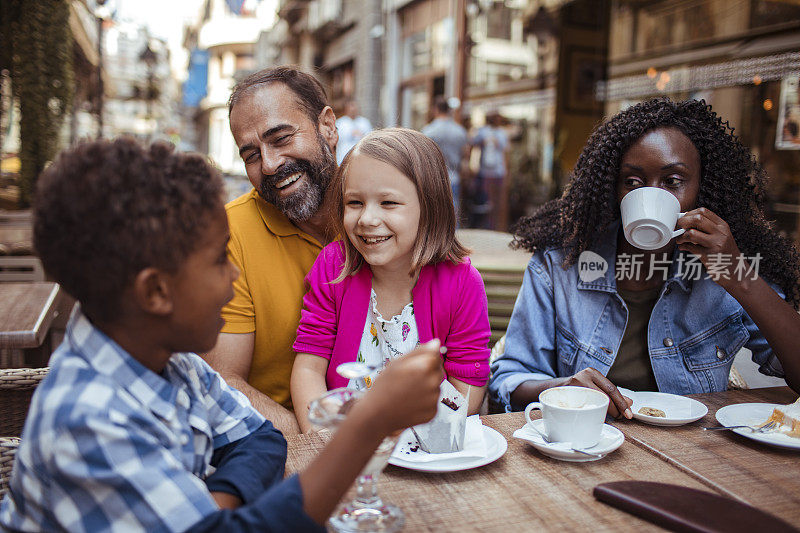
<point>548,70</point>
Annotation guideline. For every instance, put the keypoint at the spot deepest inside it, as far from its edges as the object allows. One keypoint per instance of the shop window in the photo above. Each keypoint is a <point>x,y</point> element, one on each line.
<point>429,49</point>
<point>768,13</point>
<point>499,19</point>
<point>341,86</point>
<point>244,62</point>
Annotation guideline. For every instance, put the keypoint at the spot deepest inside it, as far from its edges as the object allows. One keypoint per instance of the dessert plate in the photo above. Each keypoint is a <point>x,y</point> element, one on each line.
<point>680,410</point>
<point>610,439</point>
<point>755,414</point>
<point>496,446</point>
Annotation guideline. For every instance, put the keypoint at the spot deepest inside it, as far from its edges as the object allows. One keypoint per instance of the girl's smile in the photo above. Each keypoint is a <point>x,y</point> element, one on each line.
<point>381,213</point>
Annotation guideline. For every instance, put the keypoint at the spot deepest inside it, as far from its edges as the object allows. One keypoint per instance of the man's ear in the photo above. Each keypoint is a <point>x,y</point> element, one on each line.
<point>152,291</point>
<point>326,124</point>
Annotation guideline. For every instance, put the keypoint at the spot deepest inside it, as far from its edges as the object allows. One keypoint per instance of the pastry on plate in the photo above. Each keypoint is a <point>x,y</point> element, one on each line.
<point>787,417</point>
<point>652,411</point>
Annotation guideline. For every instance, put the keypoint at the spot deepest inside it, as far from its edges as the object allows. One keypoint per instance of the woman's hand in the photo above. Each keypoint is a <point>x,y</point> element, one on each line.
<point>710,238</point>
<point>592,379</point>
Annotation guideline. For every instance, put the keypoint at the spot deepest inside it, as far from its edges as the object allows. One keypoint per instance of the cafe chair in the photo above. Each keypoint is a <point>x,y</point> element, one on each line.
<point>16,389</point>
<point>8,449</point>
<point>20,268</point>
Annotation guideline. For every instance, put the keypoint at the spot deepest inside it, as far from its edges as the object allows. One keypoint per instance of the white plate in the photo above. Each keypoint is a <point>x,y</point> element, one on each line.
<point>680,410</point>
<point>496,446</point>
<point>610,439</point>
<point>755,414</point>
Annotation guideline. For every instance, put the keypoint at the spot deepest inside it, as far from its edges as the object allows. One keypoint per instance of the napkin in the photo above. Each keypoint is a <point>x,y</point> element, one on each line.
<point>474,445</point>
<point>446,432</point>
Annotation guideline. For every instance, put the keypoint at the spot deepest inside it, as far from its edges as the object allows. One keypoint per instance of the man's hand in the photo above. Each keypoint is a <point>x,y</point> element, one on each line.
<point>592,379</point>
<point>405,394</point>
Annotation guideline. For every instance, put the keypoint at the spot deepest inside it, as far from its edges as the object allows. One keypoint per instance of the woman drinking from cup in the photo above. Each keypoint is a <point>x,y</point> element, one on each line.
<point>669,309</point>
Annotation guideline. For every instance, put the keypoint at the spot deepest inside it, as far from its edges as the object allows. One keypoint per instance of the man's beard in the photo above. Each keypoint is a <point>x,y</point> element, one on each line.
<point>306,201</point>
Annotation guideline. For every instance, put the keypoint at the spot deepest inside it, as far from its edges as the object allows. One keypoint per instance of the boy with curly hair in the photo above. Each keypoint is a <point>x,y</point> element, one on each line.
<point>129,431</point>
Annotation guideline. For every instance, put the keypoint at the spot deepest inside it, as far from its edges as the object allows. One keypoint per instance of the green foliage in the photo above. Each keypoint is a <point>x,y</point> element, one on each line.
<point>39,42</point>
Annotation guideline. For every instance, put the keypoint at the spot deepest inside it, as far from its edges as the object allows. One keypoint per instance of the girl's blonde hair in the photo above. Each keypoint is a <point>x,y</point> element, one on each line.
<point>420,160</point>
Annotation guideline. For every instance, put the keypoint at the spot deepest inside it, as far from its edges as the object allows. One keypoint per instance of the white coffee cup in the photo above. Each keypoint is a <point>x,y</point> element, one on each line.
<point>649,215</point>
<point>571,414</point>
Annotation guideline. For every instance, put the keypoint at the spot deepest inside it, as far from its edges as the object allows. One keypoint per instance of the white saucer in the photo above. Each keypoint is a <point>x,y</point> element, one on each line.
<point>680,410</point>
<point>610,439</point>
<point>755,414</point>
<point>496,446</point>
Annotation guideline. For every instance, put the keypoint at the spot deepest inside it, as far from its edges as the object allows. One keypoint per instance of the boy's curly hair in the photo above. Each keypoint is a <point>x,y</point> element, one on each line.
<point>732,185</point>
<point>106,210</point>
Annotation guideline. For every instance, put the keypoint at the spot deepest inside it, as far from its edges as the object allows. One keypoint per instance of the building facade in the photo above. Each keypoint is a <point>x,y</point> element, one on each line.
<point>741,56</point>
<point>226,33</point>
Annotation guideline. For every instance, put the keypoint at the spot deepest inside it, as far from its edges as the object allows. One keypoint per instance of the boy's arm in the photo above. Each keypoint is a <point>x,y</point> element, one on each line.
<point>262,452</point>
<point>231,357</point>
<point>107,474</point>
<point>405,394</point>
<point>104,468</point>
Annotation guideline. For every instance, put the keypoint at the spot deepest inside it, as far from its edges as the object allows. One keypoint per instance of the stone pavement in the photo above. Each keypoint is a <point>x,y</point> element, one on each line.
<point>490,249</point>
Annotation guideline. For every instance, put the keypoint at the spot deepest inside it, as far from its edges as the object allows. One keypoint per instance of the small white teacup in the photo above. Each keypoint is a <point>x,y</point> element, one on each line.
<point>571,414</point>
<point>649,215</point>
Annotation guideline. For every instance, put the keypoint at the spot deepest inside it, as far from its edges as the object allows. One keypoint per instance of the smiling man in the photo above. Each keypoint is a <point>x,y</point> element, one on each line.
<point>286,135</point>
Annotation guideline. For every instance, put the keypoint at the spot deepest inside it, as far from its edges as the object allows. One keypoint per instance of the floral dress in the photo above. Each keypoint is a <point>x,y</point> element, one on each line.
<point>384,340</point>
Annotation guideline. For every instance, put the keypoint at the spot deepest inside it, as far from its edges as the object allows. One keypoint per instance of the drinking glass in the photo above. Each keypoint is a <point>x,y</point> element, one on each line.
<point>367,512</point>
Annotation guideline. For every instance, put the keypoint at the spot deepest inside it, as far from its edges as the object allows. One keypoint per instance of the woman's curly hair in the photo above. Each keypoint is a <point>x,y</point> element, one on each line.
<point>732,185</point>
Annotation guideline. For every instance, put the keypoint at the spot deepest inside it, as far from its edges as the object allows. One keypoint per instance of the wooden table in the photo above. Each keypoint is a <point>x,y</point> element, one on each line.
<point>733,465</point>
<point>524,489</point>
<point>27,311</point>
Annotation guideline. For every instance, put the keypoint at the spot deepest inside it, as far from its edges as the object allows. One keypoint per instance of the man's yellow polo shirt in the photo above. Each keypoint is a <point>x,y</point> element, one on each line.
<point>274,257</point>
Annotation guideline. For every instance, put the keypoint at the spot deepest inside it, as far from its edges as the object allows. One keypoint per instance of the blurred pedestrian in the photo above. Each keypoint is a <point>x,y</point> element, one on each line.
<point>491,181</point>
<point>451,137</point>
<point>351,127</point>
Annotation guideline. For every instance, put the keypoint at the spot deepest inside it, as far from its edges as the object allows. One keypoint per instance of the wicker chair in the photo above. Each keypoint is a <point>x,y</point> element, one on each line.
<point>8,449</point>
<point>16,388</point>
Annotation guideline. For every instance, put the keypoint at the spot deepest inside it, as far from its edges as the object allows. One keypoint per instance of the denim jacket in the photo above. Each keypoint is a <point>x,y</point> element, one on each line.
<point>562,324</point>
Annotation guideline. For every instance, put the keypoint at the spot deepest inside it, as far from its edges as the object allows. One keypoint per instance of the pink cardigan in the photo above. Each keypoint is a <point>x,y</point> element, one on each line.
<point>449,304</point>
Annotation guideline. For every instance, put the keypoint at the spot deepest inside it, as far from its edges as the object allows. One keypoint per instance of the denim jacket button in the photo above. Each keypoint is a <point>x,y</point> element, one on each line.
<point>668,342</point>
<point>720,353</point>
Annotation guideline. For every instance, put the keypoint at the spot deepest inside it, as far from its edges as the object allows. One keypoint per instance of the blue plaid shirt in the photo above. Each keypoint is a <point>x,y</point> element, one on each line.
<point>109,445</point>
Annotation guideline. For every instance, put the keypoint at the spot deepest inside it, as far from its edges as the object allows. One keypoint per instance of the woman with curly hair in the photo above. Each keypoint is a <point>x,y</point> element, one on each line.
<point>659,325</point>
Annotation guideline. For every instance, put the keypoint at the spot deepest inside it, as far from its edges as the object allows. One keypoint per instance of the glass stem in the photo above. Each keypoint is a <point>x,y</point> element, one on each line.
<point>367,491</point>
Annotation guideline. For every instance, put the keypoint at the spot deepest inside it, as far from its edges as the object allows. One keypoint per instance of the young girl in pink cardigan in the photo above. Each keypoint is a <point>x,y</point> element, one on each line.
<point>400,277</point>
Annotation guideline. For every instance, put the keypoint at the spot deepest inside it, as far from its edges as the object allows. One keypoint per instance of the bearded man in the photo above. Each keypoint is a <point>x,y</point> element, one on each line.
<point>286,134</point>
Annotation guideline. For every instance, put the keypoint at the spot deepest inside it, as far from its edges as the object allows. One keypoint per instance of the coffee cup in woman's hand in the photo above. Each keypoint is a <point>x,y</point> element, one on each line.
<point>649,215</point>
